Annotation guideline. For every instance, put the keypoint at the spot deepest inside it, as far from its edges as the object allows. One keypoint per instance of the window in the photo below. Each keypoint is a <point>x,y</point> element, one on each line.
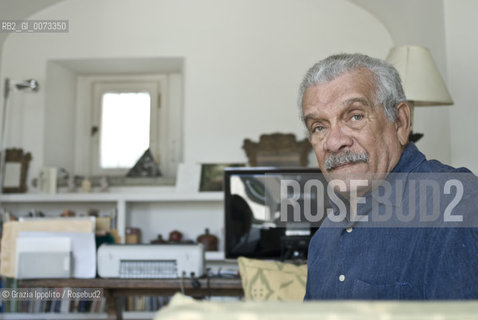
<point>125,124</point>
<point>112,114</point>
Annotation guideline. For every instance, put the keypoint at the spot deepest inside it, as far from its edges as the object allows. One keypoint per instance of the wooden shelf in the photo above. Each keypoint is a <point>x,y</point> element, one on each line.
<point>116,290</point>
<point>127,287</point>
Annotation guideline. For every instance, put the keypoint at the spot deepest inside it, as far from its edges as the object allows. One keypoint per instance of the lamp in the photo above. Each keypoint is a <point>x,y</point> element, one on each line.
<point>421,80</point>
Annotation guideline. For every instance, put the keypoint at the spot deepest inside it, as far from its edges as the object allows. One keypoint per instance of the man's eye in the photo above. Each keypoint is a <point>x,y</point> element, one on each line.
<point>357,117</point>
<point>317,129</point>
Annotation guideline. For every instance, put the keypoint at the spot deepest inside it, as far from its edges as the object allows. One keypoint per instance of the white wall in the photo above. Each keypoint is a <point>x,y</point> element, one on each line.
<point>243,60</point>
<point>462,51</point>
<point>59,119</point>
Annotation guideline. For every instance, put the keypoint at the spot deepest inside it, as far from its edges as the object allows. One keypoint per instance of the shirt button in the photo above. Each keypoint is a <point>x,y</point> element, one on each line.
<point>349,229</point>
<point>341,278</point>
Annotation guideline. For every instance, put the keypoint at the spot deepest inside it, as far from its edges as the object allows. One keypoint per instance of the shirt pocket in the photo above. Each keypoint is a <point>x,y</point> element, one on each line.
<point>362,290</point>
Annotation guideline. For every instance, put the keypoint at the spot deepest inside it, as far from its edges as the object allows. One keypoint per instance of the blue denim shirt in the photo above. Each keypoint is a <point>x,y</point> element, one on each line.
<point>395,263</point>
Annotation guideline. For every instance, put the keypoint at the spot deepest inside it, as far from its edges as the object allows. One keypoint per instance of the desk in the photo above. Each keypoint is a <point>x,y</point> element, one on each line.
<point>115,290</point>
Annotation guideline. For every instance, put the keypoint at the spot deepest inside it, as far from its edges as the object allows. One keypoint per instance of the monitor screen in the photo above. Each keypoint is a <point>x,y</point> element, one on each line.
<point>265,212</point>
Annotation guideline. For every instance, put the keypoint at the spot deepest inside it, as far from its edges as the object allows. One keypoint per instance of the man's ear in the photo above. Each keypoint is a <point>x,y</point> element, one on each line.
<point>402,123</point>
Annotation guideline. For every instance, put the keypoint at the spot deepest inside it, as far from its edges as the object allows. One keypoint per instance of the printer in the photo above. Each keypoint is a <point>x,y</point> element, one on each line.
<point>150,261</point>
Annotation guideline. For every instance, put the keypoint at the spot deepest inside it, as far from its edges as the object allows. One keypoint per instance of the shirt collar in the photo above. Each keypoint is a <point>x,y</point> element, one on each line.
<point>410,159</point>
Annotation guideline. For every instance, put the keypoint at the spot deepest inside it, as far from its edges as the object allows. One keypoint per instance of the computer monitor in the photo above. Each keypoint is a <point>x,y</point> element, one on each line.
<point>260,222</point>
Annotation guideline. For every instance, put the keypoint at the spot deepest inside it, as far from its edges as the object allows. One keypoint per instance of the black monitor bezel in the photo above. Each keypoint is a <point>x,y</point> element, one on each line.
<point>228,172</point>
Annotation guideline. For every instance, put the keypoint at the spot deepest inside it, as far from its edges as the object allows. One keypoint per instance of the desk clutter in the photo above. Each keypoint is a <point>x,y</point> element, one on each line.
<point>74,248</point>
<point>82,248</point>
<point>49,248</point>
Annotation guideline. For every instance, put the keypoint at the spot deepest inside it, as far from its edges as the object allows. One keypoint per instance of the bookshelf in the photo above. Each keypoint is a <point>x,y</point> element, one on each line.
<point>151,204</point>
<point>118,290</point>
<point>76,316</point>
<point>125,204</point>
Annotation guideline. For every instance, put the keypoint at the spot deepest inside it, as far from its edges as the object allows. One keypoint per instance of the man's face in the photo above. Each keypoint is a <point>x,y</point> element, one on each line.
<point>349,131</point>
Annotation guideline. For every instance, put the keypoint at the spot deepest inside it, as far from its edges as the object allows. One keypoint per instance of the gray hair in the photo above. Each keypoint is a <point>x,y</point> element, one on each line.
<point>388,88</point>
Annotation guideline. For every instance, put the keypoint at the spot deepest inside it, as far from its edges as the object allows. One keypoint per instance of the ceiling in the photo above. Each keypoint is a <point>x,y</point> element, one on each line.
<point>22,9</point>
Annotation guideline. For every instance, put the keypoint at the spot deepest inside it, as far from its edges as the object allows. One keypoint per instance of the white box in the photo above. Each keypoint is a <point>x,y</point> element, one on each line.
<point>43,258</point>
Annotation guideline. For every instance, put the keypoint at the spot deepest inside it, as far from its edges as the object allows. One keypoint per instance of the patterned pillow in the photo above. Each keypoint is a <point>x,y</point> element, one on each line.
<point>272,280</point>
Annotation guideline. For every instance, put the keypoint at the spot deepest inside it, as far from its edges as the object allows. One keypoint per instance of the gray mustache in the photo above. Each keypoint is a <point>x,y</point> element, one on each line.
<point>346,157</point>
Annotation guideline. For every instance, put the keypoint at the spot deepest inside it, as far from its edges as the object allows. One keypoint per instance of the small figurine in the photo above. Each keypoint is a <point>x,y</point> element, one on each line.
<point>208,240</point>
<point>71,183</point>
<point>86,185</point>
<point>68,213</point>
<point>158,240</point>
<point>93,213</point>
<point>133,235</point>
<point>103,184</point>
<point>175,236</point>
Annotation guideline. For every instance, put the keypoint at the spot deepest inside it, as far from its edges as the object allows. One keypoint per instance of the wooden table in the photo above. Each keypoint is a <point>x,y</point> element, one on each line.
<point>115,290</point>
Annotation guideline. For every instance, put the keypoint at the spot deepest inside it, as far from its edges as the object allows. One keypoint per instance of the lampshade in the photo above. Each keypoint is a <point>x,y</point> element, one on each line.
<point>421,80</point>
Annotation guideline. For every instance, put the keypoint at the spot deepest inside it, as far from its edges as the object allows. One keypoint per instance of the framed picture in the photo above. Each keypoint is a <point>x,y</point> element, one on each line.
<point>16,171</point>
<point>212,175</point>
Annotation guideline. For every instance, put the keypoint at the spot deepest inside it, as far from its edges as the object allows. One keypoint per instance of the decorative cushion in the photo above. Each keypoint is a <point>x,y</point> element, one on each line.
<point>272,280</point>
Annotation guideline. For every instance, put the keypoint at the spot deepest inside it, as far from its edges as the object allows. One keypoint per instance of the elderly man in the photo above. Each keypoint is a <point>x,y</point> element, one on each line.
<point>358,121</point>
